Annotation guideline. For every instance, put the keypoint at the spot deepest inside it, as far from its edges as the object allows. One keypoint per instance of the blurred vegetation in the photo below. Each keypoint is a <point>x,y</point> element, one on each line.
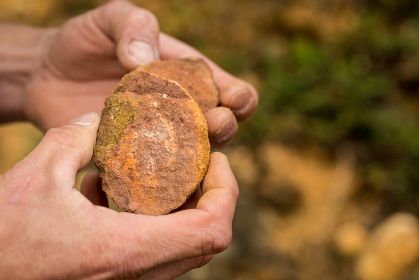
<point>355,89</point>
<point>332,74</point>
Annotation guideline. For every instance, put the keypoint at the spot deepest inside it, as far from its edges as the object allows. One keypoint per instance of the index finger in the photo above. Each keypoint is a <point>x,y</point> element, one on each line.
<point>236,94</point>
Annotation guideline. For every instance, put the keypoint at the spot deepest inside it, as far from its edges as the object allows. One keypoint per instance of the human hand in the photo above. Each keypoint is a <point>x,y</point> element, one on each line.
<point>84,59</point>
<point>49,230</point>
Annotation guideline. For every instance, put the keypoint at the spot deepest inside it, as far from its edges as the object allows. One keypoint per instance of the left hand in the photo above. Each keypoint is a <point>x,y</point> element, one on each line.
<point>49,230</point>
<point>84,59</point>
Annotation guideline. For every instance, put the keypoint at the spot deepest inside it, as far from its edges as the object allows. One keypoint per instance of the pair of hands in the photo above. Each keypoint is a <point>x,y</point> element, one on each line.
<point>50,230</point>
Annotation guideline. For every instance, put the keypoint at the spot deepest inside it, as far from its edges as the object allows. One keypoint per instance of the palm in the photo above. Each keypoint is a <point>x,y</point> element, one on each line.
<point>63,100</point>
<point>78,82</point>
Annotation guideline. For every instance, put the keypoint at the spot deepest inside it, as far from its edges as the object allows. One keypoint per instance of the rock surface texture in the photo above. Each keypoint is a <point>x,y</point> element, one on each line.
<point>152,149</point>
<point>194,75</point>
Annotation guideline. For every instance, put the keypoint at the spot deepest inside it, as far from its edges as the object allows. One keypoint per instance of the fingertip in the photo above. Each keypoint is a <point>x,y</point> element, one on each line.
<point>222,125</point>
<point>220,185</point>
<point>135,31</point>
<point>86,128</point>
<point>219,164</point>
<point>230,86</point>
<point>250,108</point>
<point>218,156</point>
<point>219,170</point>
<point>242,99</point>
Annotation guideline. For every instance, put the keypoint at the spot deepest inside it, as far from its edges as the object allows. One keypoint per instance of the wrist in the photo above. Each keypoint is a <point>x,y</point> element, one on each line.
<point>20,55</point>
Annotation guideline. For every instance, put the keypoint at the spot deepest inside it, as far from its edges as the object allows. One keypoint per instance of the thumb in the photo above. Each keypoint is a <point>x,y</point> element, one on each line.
<point>134,30</point>
<point>66,149</point>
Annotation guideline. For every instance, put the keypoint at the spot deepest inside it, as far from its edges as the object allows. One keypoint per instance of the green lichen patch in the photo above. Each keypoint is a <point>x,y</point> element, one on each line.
<point>117,115</point>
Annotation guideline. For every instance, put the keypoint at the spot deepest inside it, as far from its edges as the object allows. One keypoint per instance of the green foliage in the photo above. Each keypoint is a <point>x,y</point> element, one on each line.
<point>352,92</point>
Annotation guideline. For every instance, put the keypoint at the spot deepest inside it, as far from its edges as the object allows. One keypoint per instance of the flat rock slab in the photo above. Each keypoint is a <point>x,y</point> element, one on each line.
<point>152,149</point>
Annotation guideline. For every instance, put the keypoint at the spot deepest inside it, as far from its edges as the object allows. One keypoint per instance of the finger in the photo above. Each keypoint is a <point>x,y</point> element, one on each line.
<point>135,31</point>
<point>206,230</point>
<point>222,125</point>
<point>220,189</point>
<point>236,94</point>
<point>176,269</point>
<point>65,150</point>
<point>91,188</point>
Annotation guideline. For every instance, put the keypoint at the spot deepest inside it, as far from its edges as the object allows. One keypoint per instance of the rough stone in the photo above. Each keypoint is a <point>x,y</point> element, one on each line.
<point>194,75</point>
<point>152,148</point>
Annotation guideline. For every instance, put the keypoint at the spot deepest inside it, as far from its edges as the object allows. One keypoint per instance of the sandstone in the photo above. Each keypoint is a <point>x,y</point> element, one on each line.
<point>152,148</point>
<point>194,75</point>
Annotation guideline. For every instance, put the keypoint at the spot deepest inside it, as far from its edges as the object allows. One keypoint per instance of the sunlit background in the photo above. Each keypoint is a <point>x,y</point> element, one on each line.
<point>329,166</point>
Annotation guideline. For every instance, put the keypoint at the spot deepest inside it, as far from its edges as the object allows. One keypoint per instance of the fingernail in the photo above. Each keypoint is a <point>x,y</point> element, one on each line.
<point>86,119</point>
<point>142,53</point>
<point>240,99</point>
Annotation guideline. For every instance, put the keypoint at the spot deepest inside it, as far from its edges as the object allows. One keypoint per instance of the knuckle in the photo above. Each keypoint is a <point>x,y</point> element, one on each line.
<point>150,18</point>
<point>201,261</point>
<point>144,18</point>
<point>217,239</point>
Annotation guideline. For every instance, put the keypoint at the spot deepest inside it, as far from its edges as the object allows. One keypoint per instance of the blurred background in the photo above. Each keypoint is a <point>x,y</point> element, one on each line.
<point>329,165</point>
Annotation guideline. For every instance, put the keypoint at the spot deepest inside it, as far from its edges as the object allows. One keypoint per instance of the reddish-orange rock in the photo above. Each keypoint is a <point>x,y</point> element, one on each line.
<point>152,148</point>
<point>194,75</point>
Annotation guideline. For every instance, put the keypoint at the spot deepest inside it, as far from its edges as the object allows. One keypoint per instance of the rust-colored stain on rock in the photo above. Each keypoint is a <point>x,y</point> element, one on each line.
<point>152,148</point>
